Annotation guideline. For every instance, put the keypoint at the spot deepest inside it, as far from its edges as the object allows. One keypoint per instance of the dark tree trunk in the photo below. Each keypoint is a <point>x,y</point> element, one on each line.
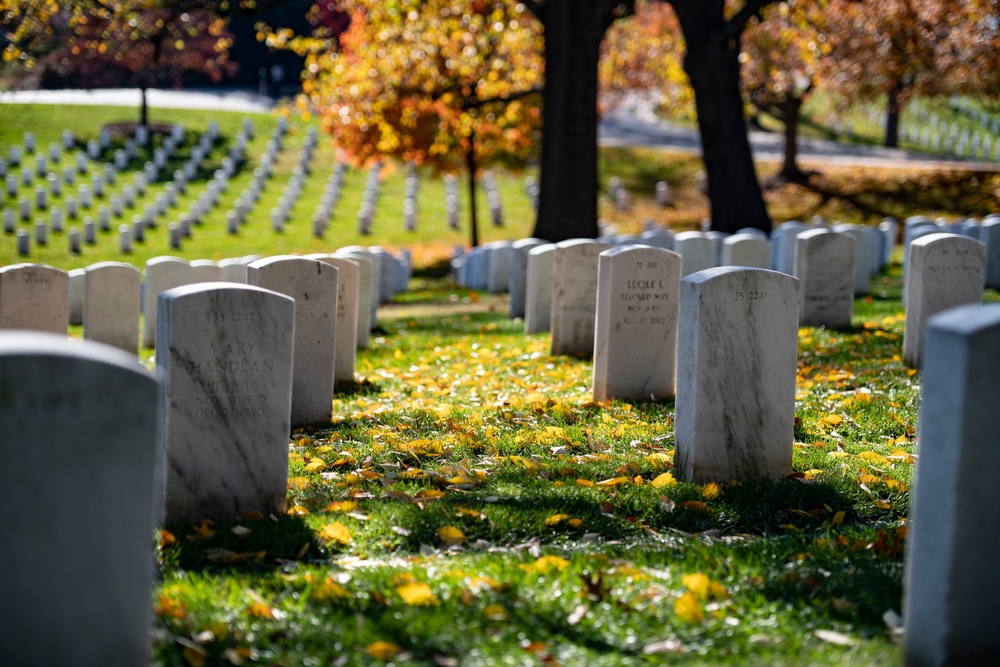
<point>470,165</point>
<point>143,108</point>
<point>568,181</point>
<point>892,116</point>
<point>790,108</point>
<point>712,65</point>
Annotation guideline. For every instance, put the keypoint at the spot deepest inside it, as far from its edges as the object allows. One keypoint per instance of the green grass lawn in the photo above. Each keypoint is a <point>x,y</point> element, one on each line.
<point>470,504</point>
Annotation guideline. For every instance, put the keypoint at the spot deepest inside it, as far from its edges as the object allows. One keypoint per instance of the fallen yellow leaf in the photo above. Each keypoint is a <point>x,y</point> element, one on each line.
<point>450,536</point>
<point>556,519</point>
<point>688,610</point>
<point>697,583</point>
<point>345,506</point>
<point>335,532</point>
<point>384,651</point>
<point>417,594</point>
<point>495,612</point>
<point>711,491</point>
<point>662,480</point>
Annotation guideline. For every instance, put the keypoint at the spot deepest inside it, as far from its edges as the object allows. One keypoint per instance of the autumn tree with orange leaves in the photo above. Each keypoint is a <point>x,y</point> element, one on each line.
<point>444,83</point>
<point>895,50</point>
<point>140,43</point>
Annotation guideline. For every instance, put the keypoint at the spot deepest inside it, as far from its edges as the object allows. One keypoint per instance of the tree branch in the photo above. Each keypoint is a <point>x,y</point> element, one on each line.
<point>537,8</point>
<point>734,26</point>
<point>471,102</point>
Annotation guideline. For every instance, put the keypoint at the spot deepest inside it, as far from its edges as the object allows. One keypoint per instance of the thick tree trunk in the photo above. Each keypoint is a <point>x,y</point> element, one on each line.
<point>712,65</point>
<point>790,108</point>
<point>568,180</point>
<point>470,165</point>
<point>892,116</point>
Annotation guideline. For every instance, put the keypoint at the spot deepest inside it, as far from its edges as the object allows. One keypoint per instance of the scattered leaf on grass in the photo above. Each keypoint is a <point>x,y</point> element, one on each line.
<point>450,536</point>
<point>710,491</point>
<point>335,532</point>
<point>688,610</point>
<point>556,519</point>
<point>384,651</point>
<point>417,594</point>
<point>665,479</point>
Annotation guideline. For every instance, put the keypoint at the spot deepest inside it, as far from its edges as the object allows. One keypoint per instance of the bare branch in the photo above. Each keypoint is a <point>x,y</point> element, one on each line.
<point>734,26</point>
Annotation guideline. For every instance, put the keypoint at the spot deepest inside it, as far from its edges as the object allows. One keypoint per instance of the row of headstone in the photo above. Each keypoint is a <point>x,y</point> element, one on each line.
<point>451,200</point>
<point>366,214</point>
<point>410,190</point>
<point>493,198</point>
<point>328,201</point>
<point>619,195</point>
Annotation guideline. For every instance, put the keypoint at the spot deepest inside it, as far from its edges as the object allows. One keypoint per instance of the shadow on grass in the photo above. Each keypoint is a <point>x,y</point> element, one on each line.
<point>266,545</point>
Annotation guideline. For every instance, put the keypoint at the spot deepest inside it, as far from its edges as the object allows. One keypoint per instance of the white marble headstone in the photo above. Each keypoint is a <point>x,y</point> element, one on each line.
<point>348,293</point>
<point>79,443</point>
<point>75,294</point>
<point>824,265</point>
<point>635,344</point>
<point>519,274</point>
<point>697,250</point>
<point>366,290</point>
<point>314,287</point>
<point>746,250</point>
<point>736,364</point>
<point>224,357</point>
<point>945,270</point>
<point>538,289</point>
<point>951,594</point>
<point>574,296</point>
<point>205,271</point>
<point>111,305</point>
<point>162,273</point>
<point>34,296</point>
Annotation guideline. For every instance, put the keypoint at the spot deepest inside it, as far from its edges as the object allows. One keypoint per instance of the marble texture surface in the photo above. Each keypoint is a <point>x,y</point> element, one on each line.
<point>946,270</point>
<point>990,235</point>
<point>499,259</point>
<point>574,296</point>
<point>161,274</point>
<point>635,342</point>
<point>225,367</point>
<point>538,291</point>
<point>951,595</point>
<point>356,252</point>
<point>697,251</point>
<point>866,250</point>
<point>111,305</point>
<point>314,285</point>
<point>206,271</point>
<point>79,443</point>
<point>366,268</point>
<point>736,363</point>
<point>348,290</point>
<point>824,265</point>
<point>518,284</point>
<point>746,250</point>
<point>783,245</point>
<point>75,294</point>
<point>34,296</point>
<point>234,270</point>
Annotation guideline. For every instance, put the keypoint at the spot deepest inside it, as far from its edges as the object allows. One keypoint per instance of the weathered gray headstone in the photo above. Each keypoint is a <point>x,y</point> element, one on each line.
<point>205,271</point>
<point>314,287</point>
<point>951,596</point>
<point>75,294</point>
<point>865,252</point>
<point>746,250</point>
<point>783,245</point>
<point>736,364</point>
<point>519,274</point>
<point>79,443</point>
<point>538,289</point>
<point>224,356</point>
<point>574,296</point>
<point>348,291</point>
<point>233,270</point>
<point>990,235</point>
<point>499,259</point>
<point>635,344</point>
<point>946,270</point>
<point>697,251</point>
<point>111,305</point>
<point>162,273</point>
<point>824,265</point>
<point>366,266</point>
<point>34,296</point>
